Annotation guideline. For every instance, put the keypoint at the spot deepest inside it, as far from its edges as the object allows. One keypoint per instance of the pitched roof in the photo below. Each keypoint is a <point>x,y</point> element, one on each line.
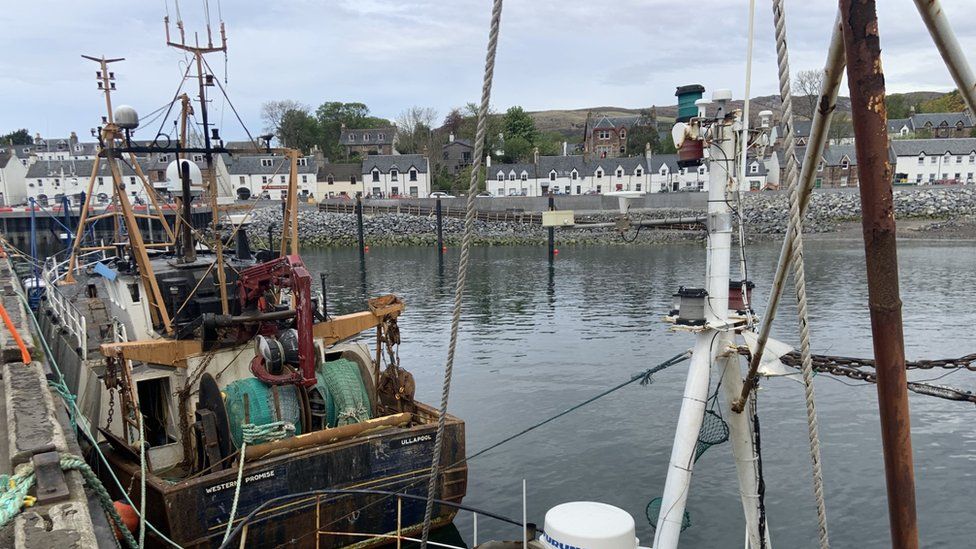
<point>72,168</point>
<point>402,162</point>
<point>252,165</point>
<point>466,143</point>
<point>896,124</point>
<point>915,147</point>
<point>937,119</point>
<point>564,165</point>
<point>5,157</point>
<point>603,121</point>
<point>338,172</point>
<point>367,136</point>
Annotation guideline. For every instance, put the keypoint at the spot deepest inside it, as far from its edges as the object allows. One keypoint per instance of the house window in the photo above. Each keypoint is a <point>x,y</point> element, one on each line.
<point>623,133</point>
<point>604,134</point>
<point>918,179</point>
<point>957,176</point>
<point>380,136</point>
<point>394,175</point>
<point>267,162</point>
<point>972,158</point>
<point>304,179</point>
<point>414,191</point>
<point>552,176</point>
<point>330,180</point>
<point>931,177</point>
<point>620,173</point>
<point>820,166</point>
<point>599,189</point>
<point>241,179</point>
<point>511,176</point>
<point>376,175</point>
<point>969,176</point>
<point>753,168</point>
<point>198,158</point>
<point>818,182</point>
<point>394,191</point>
<point>282,178</point>
<point>164,158</point>
<point>921,159</point>
<point>264,179</point>
<point>303,162</point>
<point>639,172</point>
<point>959,159</point>
<point>101,180</point>
<point>501,176</point>
<point>933,160</point>
<point>525,176</point>
<point>578,189</point>
<point>352,137</point>
<point>845,164</point>
<point>843,182</point>
<point>574,176</point>
<point>568,189</point>
<point>413,174</point>
<point>638,186</point>
<point>132,180</point>
<point>599,174</point>
<point>367,137</point>
<point>376,191</point>
<point>352,179</point>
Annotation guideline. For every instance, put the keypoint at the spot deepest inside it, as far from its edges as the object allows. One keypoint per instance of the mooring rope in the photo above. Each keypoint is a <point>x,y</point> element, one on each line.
<point>799,274</point>
<point>237,493</point>
<point>479,147</point>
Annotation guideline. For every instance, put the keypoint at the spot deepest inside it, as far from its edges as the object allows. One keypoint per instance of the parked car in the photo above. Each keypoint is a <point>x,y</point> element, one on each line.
<point>440,194</point>
<point>484,194</point>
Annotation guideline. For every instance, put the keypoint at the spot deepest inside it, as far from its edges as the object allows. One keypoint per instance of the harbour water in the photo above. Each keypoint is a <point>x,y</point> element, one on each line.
<point>536,340</point>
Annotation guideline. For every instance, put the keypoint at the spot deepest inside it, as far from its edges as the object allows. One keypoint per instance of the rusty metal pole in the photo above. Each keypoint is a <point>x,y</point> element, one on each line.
<point>867,86</point>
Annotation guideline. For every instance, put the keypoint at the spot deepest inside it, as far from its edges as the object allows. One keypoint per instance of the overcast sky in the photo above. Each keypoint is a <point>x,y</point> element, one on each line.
<point>392,54</point>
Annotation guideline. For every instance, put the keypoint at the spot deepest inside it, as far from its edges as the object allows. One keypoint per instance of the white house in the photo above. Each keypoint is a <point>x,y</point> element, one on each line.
<point>13,187</point>
<point>571,175</point>
<point>50,180</point>
<point>267,175</point>
<point>390,175</point>
<point>928,161</point>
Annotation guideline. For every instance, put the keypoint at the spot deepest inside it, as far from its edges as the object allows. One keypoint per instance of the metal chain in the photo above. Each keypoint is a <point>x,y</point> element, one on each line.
<point>799,274</point>
<point>479,148</point>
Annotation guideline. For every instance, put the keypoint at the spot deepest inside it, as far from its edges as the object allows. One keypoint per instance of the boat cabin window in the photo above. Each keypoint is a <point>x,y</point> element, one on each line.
<point>134,292</point>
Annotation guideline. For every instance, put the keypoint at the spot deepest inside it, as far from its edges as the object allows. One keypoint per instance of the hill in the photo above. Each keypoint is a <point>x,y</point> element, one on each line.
<point>570,122</point>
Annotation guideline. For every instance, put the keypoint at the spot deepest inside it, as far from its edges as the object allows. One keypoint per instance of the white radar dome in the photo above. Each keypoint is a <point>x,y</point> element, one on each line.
<point>173,180</point>
<point>589,525</point>
<point>126,117</point>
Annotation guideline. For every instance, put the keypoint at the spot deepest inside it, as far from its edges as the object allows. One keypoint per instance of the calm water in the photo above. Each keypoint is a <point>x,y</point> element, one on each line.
<point>534,341</point>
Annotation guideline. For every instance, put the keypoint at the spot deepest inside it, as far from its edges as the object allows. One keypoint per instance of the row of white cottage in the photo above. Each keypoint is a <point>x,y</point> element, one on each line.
<point>49,178</point>
<point>576,174</point>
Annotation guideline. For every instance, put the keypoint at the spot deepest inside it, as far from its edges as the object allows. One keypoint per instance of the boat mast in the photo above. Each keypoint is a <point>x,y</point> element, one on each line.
<point>715,337</point>
<point>210,178</point>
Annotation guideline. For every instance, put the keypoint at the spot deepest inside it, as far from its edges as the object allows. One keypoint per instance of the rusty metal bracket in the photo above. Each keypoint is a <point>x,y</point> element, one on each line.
<point>51,485</point>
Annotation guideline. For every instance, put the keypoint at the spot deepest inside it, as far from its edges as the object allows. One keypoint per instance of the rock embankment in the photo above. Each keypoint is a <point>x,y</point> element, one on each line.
<point>765,213</point>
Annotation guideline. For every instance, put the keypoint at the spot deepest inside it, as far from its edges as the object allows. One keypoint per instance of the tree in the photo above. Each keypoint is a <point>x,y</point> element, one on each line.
<point>808,85</point>
<point>897,106</point>
<point>519,124</point>
<point>415,130</point>
<point>17,137</point>
<point>333,115</point>
<point>950,102</point>
<point>453,121</point>
<point>298,130</point>
<point>841,127</point>
<point>517,149</point>
<point>272,113</point>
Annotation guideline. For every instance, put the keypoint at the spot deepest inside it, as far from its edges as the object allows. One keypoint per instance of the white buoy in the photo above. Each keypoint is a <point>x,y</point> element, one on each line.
<point>589,525</point>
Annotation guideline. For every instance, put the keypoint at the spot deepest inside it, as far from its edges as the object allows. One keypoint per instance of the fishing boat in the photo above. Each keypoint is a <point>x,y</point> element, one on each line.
<point>212,378</point>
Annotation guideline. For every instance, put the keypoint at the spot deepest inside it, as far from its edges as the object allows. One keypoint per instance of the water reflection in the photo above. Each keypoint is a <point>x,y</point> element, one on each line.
<point>525,355</point>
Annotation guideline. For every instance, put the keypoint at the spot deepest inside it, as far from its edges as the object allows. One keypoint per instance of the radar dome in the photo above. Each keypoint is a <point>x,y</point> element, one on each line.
<point>126,117</point>
<point>173,180</point>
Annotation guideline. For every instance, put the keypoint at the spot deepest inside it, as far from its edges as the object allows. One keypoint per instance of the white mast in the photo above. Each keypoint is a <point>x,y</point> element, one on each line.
<point>710,340</point>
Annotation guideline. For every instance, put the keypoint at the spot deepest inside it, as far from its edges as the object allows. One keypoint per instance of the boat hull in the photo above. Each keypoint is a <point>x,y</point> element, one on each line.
<point>194,513</point>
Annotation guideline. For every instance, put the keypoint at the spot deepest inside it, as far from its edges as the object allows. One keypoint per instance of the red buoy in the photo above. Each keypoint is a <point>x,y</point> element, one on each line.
<point>556,251</point>
<point>444,249</point>
<point>365,248</point>
<point>129,517</point>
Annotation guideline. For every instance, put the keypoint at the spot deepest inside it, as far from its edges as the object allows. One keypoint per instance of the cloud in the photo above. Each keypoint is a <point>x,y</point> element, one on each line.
<point>394,54</point>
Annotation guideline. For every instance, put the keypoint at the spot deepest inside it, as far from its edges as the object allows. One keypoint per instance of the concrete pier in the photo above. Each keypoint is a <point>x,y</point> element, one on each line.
<point>39,432</point>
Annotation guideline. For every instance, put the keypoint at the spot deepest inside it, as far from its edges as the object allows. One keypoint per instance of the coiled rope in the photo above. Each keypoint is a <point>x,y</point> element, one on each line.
<point>13,494</point>
<point>479,149</point>
<point>799,274</point>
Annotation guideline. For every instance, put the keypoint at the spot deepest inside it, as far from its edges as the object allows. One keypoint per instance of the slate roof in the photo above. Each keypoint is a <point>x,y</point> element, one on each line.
<point>462,142</point>
<point>832,155</point>
<point>367,136</point>
<point>896,124</point>
<point>5,157</point>
<point>339,172</point>
<point>251,165</point>
<point>402,162</point>
<point>933,147</point>
<point>949,119</point>
<point>603,121</point>
<point>72,168</point>
<point>564,166</point>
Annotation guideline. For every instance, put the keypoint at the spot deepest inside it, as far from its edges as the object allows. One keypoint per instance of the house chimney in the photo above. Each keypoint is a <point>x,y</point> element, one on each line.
<point>37,138</point>
<point>73,140</point>
<point>535,155</point>
<point>450,138</point>
<point>487,161</point>
<point>647,152</point>
<point>565,148</point>
<point>911,110</point>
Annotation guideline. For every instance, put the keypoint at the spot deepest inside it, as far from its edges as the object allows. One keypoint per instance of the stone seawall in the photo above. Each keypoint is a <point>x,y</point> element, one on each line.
<point>765,213</point>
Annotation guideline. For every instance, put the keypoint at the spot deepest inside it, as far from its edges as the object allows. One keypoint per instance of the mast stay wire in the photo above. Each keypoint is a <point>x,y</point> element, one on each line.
<point>799,274</point>
<point>479,147</point>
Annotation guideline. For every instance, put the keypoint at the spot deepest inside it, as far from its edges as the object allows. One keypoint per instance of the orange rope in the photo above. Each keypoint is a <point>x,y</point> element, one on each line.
<point>24,353</point>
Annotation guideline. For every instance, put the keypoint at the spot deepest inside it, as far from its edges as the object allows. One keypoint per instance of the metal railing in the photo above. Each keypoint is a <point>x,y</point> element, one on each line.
<point>428,211</point>
<point>64,310</point>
